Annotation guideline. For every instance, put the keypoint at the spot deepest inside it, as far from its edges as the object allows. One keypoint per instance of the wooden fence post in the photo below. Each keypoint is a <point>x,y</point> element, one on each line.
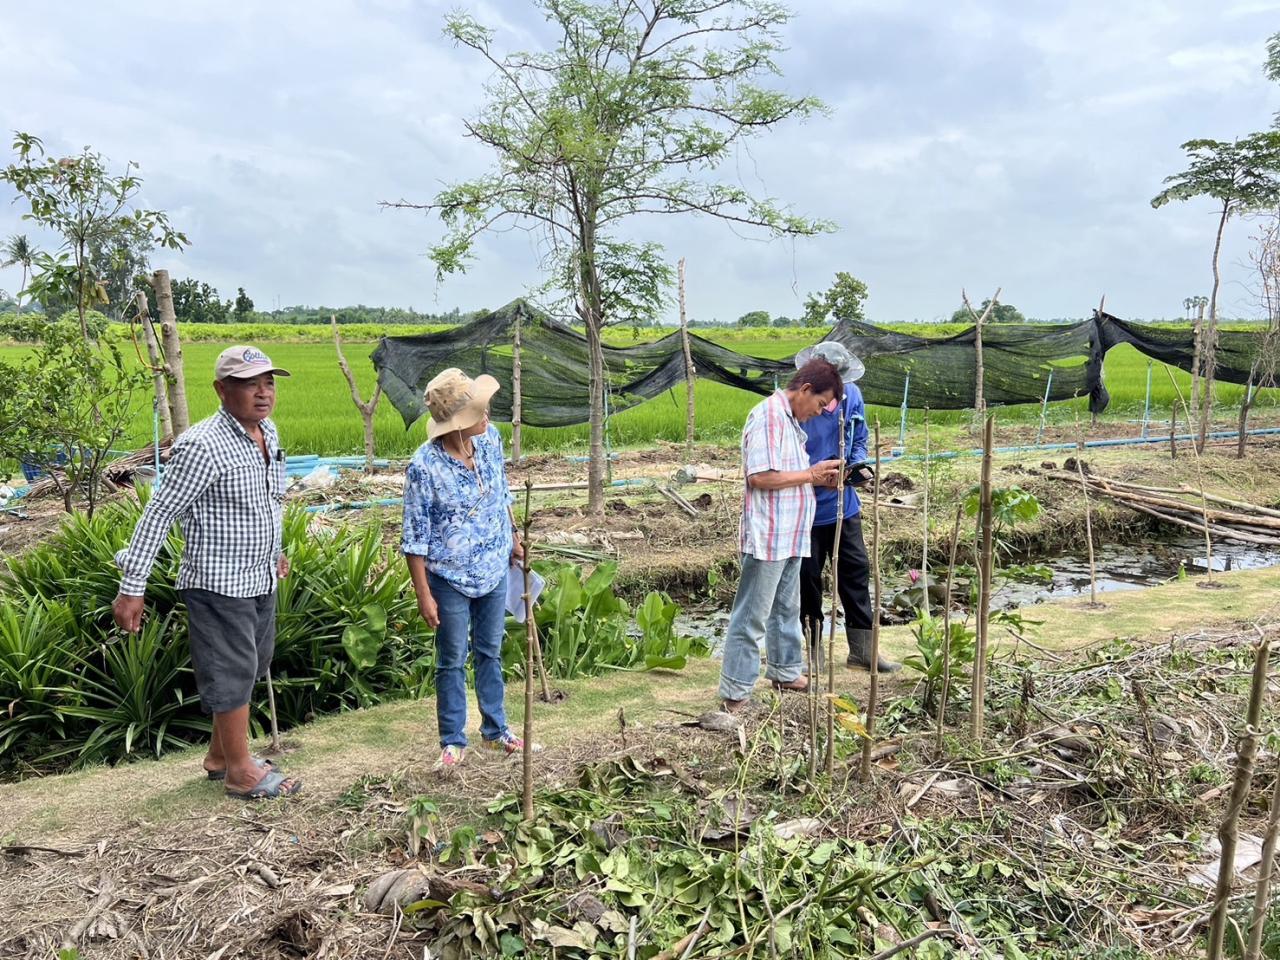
<point>172,343</point>
<point>158,366</point>
<point>690,374</point>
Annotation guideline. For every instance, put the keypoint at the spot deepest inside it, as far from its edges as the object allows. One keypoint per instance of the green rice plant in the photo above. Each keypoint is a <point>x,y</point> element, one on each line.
<point>135,695</point>
<point>34,658</point>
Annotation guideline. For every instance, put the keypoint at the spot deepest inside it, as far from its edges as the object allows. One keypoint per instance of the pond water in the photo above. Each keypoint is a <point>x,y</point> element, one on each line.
<point>1131,565</point>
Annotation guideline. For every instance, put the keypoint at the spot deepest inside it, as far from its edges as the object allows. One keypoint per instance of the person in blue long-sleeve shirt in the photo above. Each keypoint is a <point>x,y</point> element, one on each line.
<point>823,443</point>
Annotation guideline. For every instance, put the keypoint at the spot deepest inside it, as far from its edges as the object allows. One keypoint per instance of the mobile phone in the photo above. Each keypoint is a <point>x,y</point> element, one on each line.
<point>859,474</point>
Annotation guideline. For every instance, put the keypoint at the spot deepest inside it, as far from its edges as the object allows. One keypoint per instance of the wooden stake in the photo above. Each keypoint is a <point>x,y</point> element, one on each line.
<point>1173,431</point>
<point>517,398</point>
<point>157,366</point>
<point>873,695</point>
<point>367,410</point>
<point>1229,832</point>
<point>1262,892</point>
<point>1088,519</point>
<point>835,600</point>
<point>529,641</point>
<point>271,705</point>
<point>172,351</point>
<point>690,374</point>
<point>542,667</point>
<point>976,717</point>
<point>946,631</point>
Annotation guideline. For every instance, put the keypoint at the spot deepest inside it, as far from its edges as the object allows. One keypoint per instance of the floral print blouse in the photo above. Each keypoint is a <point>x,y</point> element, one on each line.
<point>458,518</point>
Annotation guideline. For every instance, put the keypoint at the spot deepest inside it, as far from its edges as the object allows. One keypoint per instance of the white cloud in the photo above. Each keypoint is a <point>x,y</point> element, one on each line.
<point>970,144</point>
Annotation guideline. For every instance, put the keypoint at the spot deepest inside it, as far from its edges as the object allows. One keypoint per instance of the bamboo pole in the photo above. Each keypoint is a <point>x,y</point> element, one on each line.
<point>1229,832</point>
<point>946,632</point>
<point>813,643</point>
<point>1088,513</point>
<point>690,373</point>
<point>1262,892</point>
<point>172,341</point>
<point>835,600</point>
<point>526,806</point>
<point>517,397</point>
<point>979,399</point>
<point>156,360</point>
<point>977,719</point>
<point>873,695</point>
<point>1195,453</point>
<point>924,546</point>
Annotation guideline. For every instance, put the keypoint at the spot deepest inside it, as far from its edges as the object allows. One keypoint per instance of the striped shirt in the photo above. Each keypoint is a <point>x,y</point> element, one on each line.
<point>229,503</point>
<point>775,523</point>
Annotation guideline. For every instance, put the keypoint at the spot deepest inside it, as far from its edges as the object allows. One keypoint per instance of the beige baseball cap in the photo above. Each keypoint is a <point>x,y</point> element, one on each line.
<point>243,362</point>
<point>457,402</point>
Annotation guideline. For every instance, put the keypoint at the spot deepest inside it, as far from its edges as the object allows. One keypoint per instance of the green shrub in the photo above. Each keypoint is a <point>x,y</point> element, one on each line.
<point>348,635</point>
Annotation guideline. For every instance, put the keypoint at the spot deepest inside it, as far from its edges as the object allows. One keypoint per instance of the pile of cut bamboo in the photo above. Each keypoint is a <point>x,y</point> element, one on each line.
<point>1183,506</point>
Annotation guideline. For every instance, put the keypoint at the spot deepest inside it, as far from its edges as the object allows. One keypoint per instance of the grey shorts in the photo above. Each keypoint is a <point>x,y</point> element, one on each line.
<point>232,641</point>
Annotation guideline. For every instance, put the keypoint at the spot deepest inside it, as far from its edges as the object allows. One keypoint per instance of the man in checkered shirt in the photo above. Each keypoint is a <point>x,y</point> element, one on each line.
<point>777,513</point>
<point>224,484</point>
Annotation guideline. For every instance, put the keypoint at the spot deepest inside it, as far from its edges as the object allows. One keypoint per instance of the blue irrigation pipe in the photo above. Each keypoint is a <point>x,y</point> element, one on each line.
<point>1044,405</point>
<point>397,501</point>
<point>1115,442</point>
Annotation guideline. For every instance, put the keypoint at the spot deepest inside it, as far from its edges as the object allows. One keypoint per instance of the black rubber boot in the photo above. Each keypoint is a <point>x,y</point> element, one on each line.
<point>860,653</point>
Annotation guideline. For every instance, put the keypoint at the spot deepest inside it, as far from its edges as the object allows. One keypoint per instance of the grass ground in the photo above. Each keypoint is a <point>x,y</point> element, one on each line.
<point>333,752</point>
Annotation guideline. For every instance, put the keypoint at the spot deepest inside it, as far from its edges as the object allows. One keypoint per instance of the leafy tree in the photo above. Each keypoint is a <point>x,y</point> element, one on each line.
<point>19,251</point>
<point>1241,175</point>
<point>627,115</point>
<point>756,318</point>
<point>842,301</point>
<point>784,322</point>
<point>119,263</point>
<point>244,306</point>
<point>70,401</point>
<point>79,200</point>
<point>196,302</point>
<point>1003,313</point>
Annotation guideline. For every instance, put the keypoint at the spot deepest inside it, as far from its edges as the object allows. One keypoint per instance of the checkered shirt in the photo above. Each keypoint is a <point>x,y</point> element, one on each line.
<point>229,504</point>
<point>775,523</point>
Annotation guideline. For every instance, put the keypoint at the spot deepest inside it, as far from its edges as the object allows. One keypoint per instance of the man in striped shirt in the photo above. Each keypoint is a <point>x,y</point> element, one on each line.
<point>224,485</point>
<point>777,513</point>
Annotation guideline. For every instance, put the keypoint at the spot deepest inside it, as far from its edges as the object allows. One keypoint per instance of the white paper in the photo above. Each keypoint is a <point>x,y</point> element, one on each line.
<point>515,590</point>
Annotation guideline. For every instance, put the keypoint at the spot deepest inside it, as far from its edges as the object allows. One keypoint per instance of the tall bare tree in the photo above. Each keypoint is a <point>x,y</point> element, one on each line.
<point>626,115</point>
<point>1241,175</point>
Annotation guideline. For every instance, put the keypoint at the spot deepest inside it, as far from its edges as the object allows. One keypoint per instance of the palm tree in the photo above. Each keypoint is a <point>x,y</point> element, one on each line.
<point>17,251</point>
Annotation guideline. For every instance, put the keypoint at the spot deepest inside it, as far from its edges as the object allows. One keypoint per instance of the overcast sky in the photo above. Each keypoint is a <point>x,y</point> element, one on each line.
<point>969,144</point>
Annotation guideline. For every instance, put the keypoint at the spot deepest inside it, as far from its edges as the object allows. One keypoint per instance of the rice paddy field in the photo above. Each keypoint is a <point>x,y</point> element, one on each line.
<point>315,413</point>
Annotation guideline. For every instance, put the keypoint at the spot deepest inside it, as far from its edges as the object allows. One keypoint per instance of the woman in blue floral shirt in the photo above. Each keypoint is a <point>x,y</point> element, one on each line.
<point>459,541</point>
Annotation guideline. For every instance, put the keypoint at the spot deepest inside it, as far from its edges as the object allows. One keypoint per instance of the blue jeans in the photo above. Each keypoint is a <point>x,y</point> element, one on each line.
<point>767,605</point>
<point>476,622</point>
